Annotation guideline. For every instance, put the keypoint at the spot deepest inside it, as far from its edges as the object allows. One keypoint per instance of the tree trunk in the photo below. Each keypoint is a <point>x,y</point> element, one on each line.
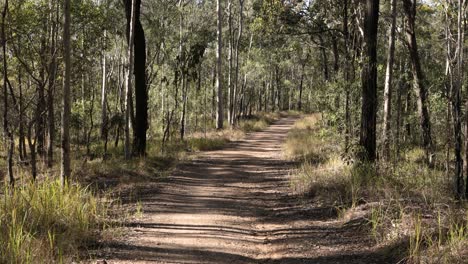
<point>387,113</point>
<point>457,101</point>
<point>51,87</point>
<point>139,65</point>
<point>129,76</point>
<point>91,125</point>
<point>183,118</point>
<point>408,106</point>
<point>369,83</point>
<point>51,117</point>
<point>301,85</point>
<point>229,81</point>
<point>21,135</point>
<point>347,78</point>
<point>219,48</point>
<point>244,83</point>
<point>104,118</point>
<point>237,105</point>
<point>32,151</point>
<point>8,136</point>
<point>326,72</point>
<point>418,78</point>
<point>65,130</point>
<point>400,92</point>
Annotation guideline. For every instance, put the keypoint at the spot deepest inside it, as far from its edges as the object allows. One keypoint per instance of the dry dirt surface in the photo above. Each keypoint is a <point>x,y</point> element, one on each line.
<point>234,206</point>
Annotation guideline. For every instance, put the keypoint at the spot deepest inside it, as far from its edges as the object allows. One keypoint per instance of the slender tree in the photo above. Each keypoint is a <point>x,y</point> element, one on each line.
<point>230,54</point>
<point>54,16</point>
<point>129,77</point>
<point>65,130</point>
<point>8,135</point>
<point>457,101</point>
<point>104,117</point>
<point>219,48</point>
<point>389,83</point>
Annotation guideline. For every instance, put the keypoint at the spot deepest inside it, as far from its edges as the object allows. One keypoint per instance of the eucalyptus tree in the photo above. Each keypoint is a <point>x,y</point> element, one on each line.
<point>140,124</point>
<point>389,81</point>
<point>410,7</point>
<point>219,64</point>
<point>65,129</point>
<point>8,134</point>
<point>369,82</point>
<point>131,10</point>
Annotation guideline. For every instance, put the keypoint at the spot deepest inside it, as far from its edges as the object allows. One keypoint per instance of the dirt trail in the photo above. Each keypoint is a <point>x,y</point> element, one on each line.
<point>234,206</point>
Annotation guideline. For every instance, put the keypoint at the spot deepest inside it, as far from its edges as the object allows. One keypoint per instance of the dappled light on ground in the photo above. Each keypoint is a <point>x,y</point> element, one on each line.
<point>234,206</point>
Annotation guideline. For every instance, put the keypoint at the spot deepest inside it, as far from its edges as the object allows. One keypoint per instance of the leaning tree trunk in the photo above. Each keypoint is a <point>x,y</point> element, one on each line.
<point>418,79</point>
<point>369,83</point>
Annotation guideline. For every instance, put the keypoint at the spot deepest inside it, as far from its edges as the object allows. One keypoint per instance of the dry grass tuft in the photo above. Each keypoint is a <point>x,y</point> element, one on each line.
<point>43,221</point>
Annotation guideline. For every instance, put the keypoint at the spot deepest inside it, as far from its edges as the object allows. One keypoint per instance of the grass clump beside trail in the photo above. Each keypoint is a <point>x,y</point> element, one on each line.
<point>45,223</point>
<point>259,122</point>
<point>217,139</point>
<point>407,205</point>
<point>214,140</point>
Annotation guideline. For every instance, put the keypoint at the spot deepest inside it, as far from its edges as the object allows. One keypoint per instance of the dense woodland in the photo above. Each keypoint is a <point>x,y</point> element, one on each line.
<point>109,80</point>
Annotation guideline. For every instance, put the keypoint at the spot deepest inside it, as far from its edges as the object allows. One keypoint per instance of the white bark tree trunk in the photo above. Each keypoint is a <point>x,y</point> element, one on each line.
<point>219,88</point>
<point>128,83</point>
<point>388,84</point>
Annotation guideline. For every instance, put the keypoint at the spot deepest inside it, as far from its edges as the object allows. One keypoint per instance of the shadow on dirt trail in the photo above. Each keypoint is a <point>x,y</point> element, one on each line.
<point>233,206</point>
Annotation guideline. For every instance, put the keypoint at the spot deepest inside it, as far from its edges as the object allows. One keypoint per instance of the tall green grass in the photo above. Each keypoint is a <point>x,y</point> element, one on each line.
<point>45,223</point>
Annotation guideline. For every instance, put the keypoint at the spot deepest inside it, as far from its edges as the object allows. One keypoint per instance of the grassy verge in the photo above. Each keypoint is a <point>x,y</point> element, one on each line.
<point>259,122</point>
<point>405,203</point>
<point>45,223</point>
